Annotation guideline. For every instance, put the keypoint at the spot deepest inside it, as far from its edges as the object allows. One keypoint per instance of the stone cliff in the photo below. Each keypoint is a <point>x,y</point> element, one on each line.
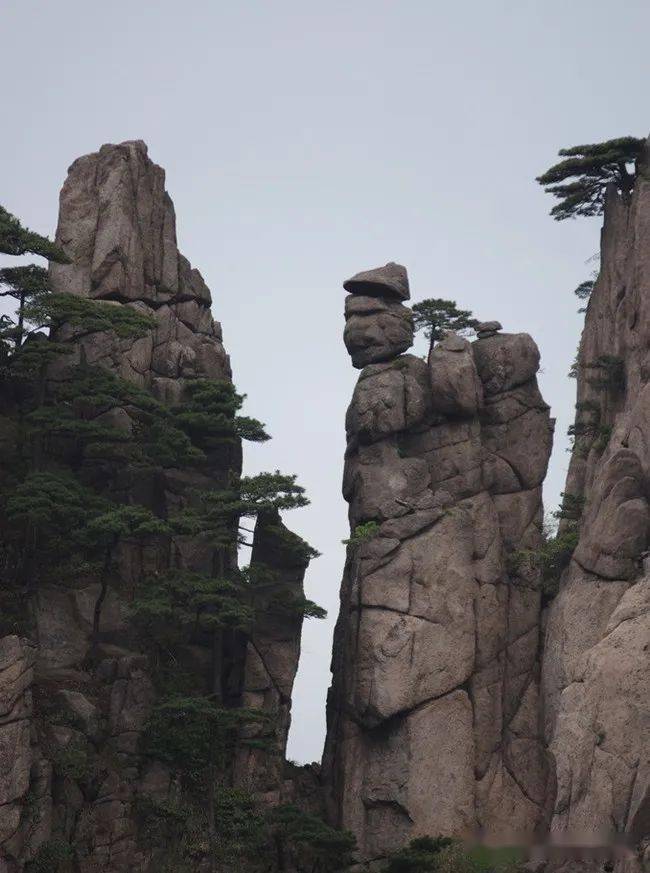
<point>596,672</point>
<point>434,709</point>
<point>79,687</point>
<point>470,696</point>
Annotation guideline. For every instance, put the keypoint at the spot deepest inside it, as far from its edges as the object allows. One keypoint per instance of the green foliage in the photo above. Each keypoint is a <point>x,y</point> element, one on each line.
<point>421,855</point>
<point>610,371</point>
<point>170,606</point>
<point>444,855</point>
<point>294,548</point>
<point>590,407</point>
<point>320,847</point>
<point>241,829</point>
<point>583,429</point>
<point>587,422</point>
<point>296,604</point>
<point>191,733</point>
<point>72,761</point>
<point>51,857</point>
<point>18,240</point>
<point>362,533</point>
<point>85,316</point>
<point>30,360</point>
<point>179,831</point>
<point>571,507</point>
<point>123,521</point>
<point>209,415</point>
<point>172,822</point>
<point>55,501</point>
<point>550,559</point>
<point>216,513</point>
<point>435,315</point>
<point>73,406</point>
<point>584,289</point>
<point>270,490</point>
<point>27,281</point>
<point>580,180</point>
<point>602,438</point>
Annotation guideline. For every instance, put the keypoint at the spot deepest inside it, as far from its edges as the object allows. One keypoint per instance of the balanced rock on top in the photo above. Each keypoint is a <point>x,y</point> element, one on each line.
<point>487,328</point>
<point>390,281</point>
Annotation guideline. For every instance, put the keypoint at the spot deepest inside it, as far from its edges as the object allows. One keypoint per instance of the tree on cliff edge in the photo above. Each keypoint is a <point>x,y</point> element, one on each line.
<point>580,181</point>
<point>434,316</point>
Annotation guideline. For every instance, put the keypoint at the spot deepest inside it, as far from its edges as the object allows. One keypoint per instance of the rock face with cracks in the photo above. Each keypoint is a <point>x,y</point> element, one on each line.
<point>434,713</point>
<point>66,695</point>
<point>596,675</point>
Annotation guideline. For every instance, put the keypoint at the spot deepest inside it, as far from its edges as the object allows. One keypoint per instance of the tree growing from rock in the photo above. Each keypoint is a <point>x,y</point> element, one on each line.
<point>580,180</point>
<point>18,240</point>
<point>434,316</point>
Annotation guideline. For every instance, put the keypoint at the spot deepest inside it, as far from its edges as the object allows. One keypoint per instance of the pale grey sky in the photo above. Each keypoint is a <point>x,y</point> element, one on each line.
<point>304,141</point>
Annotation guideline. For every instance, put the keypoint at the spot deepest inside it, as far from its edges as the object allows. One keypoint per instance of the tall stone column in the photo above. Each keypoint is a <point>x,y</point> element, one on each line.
<point>434,707</point>
<point>597,645</point>
<point>77,691</point>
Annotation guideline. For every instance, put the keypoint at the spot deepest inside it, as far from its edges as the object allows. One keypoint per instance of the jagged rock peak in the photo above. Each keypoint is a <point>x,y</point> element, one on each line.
<point>391,281</point>
<point>118,227</point>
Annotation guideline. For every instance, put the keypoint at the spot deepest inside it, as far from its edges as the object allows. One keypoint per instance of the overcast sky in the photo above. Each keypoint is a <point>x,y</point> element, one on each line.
<point>304,141</point>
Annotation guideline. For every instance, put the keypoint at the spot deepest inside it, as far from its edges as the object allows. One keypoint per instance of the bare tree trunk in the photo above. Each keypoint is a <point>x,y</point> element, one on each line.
<point>102,594</point>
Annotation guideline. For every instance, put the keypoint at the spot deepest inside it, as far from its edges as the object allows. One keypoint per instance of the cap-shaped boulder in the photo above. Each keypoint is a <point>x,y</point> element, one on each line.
<point>390,280</point>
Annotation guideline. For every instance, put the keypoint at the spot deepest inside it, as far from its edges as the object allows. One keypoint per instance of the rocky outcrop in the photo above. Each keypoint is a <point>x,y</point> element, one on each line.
<point>75,699</point>
<point>16,758</point>
<point>433,713</point>
<point>596,675</point>
<point>271,656</point>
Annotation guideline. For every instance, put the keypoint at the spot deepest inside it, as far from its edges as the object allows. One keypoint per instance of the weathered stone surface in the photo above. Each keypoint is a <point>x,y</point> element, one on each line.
<point>388,398</point>
<point>374,334</point>
<point>390,280</point>
<point>433,714</point>
<point>16,755</point>
<point>272,654</point>
<point>117,225</point>
<point>505,361</point>
<point>488,327</point>
<point>455,386</point>
<point>597,644</point>
<point>71,762</point>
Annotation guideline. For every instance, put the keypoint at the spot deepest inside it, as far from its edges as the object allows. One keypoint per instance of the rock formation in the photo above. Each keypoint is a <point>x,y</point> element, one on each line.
<point>596,674</point>
<point>433,713</point>
<point>71,691</point>
<point>465,700</point>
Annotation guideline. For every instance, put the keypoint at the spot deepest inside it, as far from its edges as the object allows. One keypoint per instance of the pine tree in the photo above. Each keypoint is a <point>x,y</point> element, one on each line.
<point>18,240</point>
<point>580,181</point>
<point>209,415</point>
<point>434,316</point>
<point>196,738</point>
<point>311,843</point>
